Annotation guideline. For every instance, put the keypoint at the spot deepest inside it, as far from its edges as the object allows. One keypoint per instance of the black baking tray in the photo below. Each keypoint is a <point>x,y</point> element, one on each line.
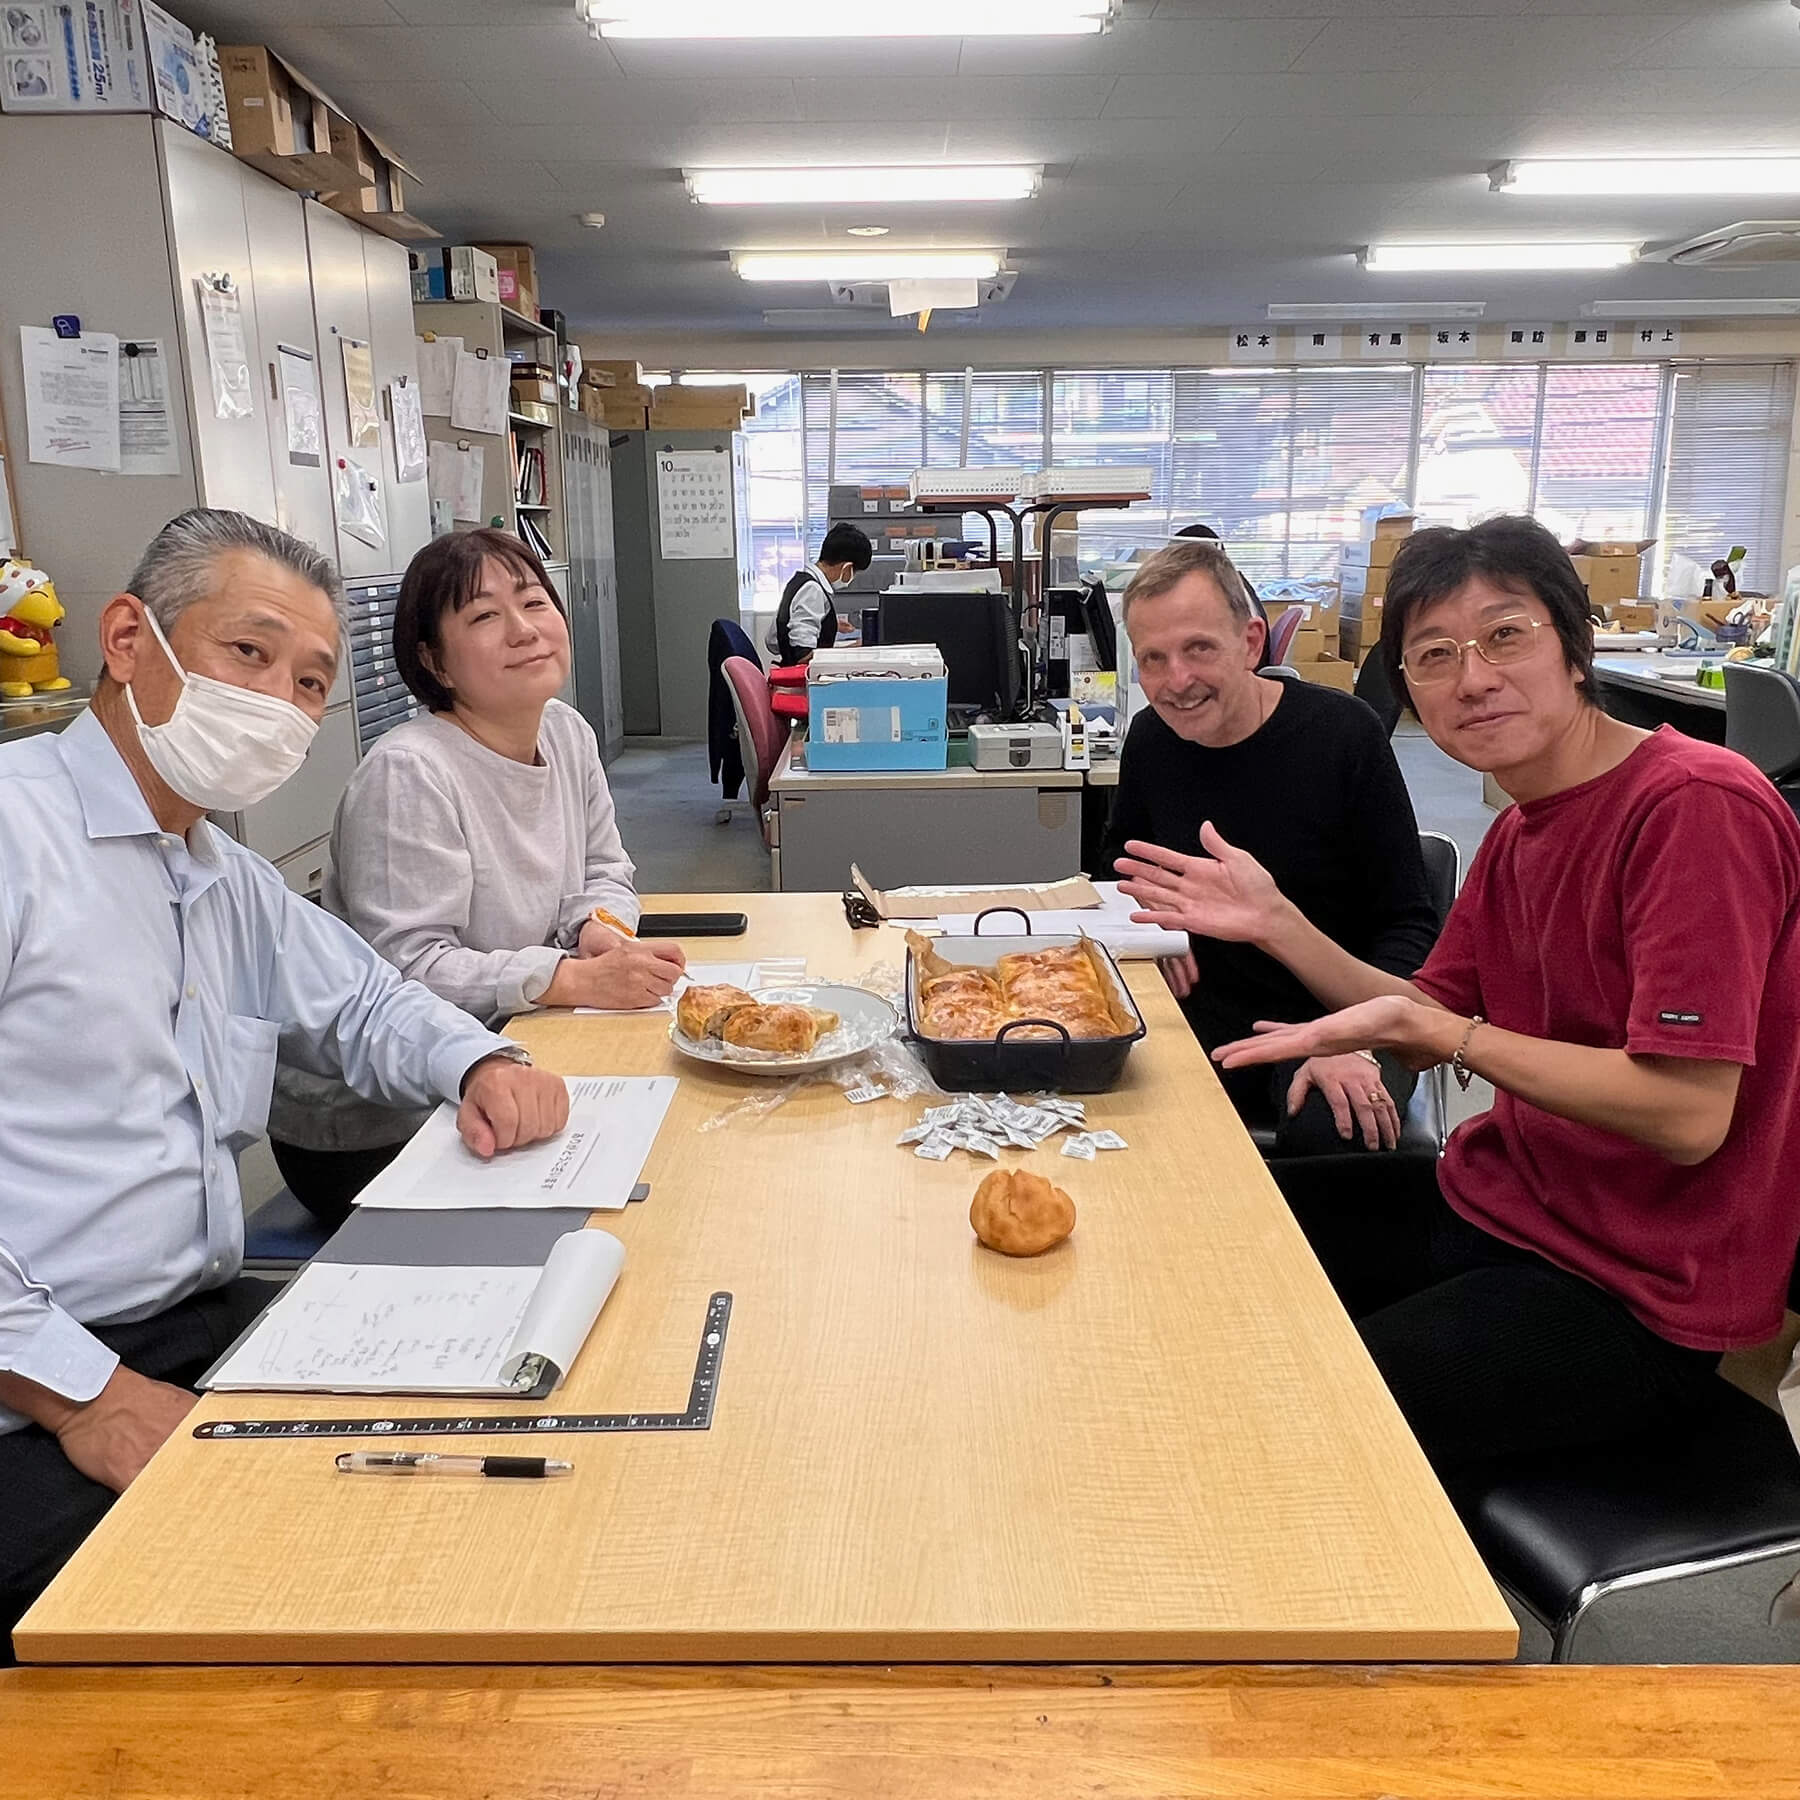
<point>1020,1064</point>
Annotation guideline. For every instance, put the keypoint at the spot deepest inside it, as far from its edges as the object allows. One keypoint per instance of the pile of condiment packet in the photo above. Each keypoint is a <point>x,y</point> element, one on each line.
<point>985,1126</point>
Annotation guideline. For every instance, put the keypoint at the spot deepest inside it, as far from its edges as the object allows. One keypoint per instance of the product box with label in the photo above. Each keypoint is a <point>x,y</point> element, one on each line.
<point>1610,568</point>
<point>79,56</point>
<point>884,707</point>
<point>1609,579</point>
<point>533,381</point>
<point>516,273</point>
<point>175,71</point>
<point>624,374</point>
<point>459,273</point>
<point>1373,553</point>
<point>1633,615</point>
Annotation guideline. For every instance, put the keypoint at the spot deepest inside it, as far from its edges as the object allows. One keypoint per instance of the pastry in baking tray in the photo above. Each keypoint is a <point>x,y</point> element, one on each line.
<point>701,1012</point>
<point>789,1030</point>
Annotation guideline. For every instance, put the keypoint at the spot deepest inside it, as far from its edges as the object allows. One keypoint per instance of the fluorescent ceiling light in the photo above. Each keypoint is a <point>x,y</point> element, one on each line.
<point>1417,311</point>
<point>865,265</point>
<point>828,19</point>
<point>1650,177</point>
<point>1691,309</point>
<point>861,186</point>
<point>1416,259</point>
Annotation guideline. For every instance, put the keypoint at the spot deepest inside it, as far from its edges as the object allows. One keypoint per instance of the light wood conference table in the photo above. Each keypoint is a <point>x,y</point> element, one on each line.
<point>1162,1440</point>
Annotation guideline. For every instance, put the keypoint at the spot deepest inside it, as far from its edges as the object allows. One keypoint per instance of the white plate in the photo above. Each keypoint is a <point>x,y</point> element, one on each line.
<point>864,1020</point>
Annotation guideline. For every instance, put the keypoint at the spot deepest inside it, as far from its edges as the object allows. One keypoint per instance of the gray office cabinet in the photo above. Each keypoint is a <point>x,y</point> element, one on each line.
<point>119,220</point>
<point>667,605</point>
<point>593,581</point>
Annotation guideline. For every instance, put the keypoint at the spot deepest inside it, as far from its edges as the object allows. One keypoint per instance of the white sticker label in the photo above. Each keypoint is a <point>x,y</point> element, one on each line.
<point>843,725</point>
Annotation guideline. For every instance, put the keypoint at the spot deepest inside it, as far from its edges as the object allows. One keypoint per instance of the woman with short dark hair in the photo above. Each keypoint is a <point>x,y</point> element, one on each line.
<point>475,846</point>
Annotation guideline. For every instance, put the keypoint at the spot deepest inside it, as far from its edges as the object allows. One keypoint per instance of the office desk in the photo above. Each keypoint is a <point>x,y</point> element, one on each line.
<point>901,1734</point>
<point>1632,689</point>
<point>1161,1441</point>
<point>986,826</point>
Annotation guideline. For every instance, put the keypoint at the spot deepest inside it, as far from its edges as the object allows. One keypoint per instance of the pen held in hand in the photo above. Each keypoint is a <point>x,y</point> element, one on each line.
<point>421,1462</point>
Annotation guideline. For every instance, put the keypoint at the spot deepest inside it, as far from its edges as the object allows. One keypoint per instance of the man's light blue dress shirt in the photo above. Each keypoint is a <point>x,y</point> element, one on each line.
<point>145,981</point>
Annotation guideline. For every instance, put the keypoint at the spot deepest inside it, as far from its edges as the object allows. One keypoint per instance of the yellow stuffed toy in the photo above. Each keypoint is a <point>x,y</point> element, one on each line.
<point>29,612</point>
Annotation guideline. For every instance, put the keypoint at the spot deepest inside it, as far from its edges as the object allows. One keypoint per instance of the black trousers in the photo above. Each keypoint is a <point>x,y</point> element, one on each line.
<point>47,1506</point>
<point>1490,1351</point>
<point>326,1182</point>
<point>1260,1095</point>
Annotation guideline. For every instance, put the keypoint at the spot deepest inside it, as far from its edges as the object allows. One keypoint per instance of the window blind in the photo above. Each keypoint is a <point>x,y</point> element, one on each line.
<point>1596,460</point>
<point>1730,433</point>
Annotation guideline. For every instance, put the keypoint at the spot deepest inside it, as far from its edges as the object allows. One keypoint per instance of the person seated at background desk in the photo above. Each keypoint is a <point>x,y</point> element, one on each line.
<point>1623,964</point>
<point>147,962</point>
<point>1303,776</point>
<point>473,847</point>
<point>806,620</point>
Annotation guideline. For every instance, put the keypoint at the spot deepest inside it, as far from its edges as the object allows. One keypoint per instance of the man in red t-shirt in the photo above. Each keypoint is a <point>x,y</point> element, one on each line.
<point>1624,966</point>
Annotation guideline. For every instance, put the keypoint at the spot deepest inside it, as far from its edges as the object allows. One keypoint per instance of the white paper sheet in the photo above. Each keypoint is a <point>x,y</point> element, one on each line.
<point>579,1274</point>
<point>437,373</point>
<point>409,430</point>
<point>359,395</point>
<point>305,419</point>
<point>9,541</point>
<point>693,504</point>
<point>372,1328</point>
<point>595,1161</point>
<point>1109,924</point>
<point>227,353</point>
<point>479,398</point>
<point>146,425</point>
<point>71,398</point>
<point>454,475</point>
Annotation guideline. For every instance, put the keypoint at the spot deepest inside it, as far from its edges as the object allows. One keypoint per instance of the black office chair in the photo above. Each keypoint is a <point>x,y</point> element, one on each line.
<point>1377,693</point>
<point>1762,723</point>
<point>1426,1127</point>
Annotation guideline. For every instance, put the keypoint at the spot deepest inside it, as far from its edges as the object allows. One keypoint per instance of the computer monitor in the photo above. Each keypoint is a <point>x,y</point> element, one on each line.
<point>976,636</point>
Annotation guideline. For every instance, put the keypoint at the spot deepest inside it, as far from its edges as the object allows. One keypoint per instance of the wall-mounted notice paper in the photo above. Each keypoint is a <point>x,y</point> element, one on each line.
<point>693,504</point>
<point>300,403</point>
<point>453,475</point>
<point>409,430</point>
<point>146,425</point>
<point>359,392</point>
<point>483,387</point>
<point>71,398</point>
<point>595,1161</point>
<point>437,374</point>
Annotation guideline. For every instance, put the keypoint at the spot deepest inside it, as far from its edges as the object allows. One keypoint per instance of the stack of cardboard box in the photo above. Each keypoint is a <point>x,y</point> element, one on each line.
<point>1362,585</point>
<point>1611,569</point>
<point>1307,652</point>
<point>516,273</point>
<point>677,407</point>
<point>286,127</point>
<point>613,394</point>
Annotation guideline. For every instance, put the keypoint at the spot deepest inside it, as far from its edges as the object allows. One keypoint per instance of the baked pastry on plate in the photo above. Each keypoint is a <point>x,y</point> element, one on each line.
<point>788,1030</point>
<point>701,1012</point>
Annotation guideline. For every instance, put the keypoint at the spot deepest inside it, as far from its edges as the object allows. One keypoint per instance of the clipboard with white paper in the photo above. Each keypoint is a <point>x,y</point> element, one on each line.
<point>374,1328</point>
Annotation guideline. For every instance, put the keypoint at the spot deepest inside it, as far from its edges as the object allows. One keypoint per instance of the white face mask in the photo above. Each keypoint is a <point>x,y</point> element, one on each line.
<point>223,747</point>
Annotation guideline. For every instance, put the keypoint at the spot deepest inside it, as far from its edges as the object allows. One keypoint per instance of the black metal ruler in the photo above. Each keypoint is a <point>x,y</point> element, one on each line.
<point>697,1417</point>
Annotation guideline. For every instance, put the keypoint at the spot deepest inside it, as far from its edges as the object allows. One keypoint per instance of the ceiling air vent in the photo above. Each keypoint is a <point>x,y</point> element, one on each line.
<point>1749,244</point>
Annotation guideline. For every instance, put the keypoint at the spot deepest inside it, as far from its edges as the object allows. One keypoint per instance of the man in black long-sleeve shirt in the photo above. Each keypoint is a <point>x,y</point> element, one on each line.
<point>1303,778</point>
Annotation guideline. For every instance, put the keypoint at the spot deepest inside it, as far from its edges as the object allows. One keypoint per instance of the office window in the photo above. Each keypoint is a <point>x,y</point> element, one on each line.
<point>1596,462</point>
<point>1115,417</point>
<point>1477,451</point>
<point>1730,431</point>
<point>1349,448</point>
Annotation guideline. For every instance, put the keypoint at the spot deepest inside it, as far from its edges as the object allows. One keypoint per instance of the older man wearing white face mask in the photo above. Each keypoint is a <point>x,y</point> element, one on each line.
<point>148,965</point>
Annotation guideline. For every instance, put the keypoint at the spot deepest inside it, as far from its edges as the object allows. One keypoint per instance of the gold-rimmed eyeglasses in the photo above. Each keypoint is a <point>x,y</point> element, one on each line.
<point>1507,640</point>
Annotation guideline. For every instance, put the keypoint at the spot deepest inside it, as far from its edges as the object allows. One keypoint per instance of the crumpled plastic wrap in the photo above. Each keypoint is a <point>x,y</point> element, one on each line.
<point>884,1066</point>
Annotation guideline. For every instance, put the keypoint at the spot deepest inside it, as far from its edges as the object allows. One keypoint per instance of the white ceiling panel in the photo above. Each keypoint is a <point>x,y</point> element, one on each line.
<point>1254,45</point>
<point>1203,158</point>
<point>1308,96</point>
<point>984,97</point>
